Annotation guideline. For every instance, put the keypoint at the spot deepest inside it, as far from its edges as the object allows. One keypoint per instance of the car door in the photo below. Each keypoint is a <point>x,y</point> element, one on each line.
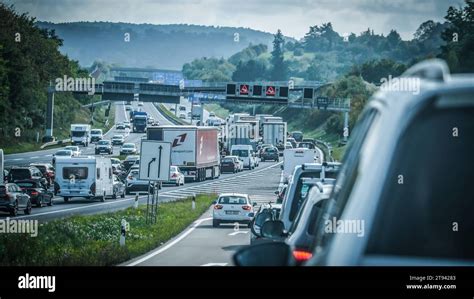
<point>20,195</point>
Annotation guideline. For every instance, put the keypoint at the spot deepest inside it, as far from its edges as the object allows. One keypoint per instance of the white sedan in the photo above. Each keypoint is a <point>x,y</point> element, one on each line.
<point>232,208</point>
<point>74,149</point>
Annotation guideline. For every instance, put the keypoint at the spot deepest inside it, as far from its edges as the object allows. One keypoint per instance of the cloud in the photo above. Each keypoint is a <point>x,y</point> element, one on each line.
<point>293,17</point>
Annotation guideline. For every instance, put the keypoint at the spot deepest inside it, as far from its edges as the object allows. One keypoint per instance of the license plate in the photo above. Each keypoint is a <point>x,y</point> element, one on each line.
<point>232,212</point>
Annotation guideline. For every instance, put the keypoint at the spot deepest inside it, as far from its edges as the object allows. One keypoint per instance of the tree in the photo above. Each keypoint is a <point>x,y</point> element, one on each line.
<point>279,69</point>
<point>251,70</point>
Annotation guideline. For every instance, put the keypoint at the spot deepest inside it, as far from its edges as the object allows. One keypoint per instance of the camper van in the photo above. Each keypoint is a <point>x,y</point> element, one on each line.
<point>246,154</point>
<point>87,176</point>
<point>80,134</point>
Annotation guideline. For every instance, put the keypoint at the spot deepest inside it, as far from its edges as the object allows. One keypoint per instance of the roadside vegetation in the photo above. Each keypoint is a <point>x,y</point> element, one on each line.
<point>93,240</point>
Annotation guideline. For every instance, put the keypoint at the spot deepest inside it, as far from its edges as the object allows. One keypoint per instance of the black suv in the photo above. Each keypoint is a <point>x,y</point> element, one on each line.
<point>270,153</point>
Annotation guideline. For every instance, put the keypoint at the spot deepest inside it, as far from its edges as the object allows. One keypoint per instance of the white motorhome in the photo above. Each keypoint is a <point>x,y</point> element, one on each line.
<point>295,157</point>
<point>80,134</point>
<point>245,153</point>
<point>87,176</point>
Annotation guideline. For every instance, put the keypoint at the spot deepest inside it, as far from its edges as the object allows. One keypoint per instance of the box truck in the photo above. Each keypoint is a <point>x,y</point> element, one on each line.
<point>195,150</point>
<point>85,176</point>
<point>295,157</point>
<point>80,134</point>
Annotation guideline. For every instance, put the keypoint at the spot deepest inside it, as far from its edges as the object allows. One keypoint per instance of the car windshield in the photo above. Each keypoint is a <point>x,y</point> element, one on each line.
<point>240,153</point>
<point>42,168</point>
<point>78,133</point>
<point>270,150</point>
<point>117,137</point>
<point>95,132</point>
<point>173,169</point>
<point>237,200</point>
<point>103,142</point>
<point>129,145</point>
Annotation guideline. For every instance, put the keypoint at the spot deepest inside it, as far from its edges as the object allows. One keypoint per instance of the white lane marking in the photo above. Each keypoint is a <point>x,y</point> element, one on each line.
<point>170,244</point>
<point>35,157</point>
<point>18,159</point>
<point>238,232</point>
<point>214,264</point>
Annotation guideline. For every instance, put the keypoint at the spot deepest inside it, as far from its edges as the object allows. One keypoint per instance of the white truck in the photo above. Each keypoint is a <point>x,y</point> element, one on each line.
<point>195,150</point>
<point>87,176</point>
<point>80,134</point>
<point>295,157</point>
<point>275,133</point>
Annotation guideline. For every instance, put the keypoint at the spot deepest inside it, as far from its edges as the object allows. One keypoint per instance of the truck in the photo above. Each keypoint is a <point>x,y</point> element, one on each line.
<point>194,149</point>
<point>80,134</point>
<point>84,176</point>
<point>295,157</point>
<point>275,133</point>
<point>139,120</point>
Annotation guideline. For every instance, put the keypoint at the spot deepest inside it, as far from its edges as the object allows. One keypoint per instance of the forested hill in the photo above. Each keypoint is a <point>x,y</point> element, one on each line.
<point>147,45</point>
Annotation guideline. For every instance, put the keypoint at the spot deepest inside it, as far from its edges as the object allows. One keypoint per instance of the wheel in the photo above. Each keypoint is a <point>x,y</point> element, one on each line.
<point>28,208</point>
<point>50,203</point>
<point>14,211</point>
<point>123,194</point>
<point>66,199</point>
<point>114,196</point>
<point>39,204</point>
<point>215,223</point>
<point>102,198</point>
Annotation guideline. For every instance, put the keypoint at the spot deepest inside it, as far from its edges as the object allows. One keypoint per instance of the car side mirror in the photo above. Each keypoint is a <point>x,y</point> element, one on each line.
<point>273,229</point>
<point>270,254</point>
<point>254,204</point>
<point>214,202</point>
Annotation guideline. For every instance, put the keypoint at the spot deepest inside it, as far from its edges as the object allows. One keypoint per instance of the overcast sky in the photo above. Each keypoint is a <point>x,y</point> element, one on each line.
<point>293,17</point>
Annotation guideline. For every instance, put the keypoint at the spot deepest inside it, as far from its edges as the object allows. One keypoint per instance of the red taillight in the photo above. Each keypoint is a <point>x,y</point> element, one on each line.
<point>130,177</point>
<point>34,193</point>
<point>301,255</point>
<point>247,208</point>
<point>173,175</point>
<point>218,207</point>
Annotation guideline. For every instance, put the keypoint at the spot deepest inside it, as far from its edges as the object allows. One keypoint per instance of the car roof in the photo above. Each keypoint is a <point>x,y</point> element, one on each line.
<point>234,194</point>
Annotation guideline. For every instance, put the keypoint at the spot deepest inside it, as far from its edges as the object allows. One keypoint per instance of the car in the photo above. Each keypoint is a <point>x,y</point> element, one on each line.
<point>232,208</point>
<point>270,153</point>
<point>135,185</point>
<point>62,153</point>
<point>261,147</point>
<point>118,188</point>
<point>104,146</point>
<point>74,149</point>
<point>140,104</point>
<point>182,115</point>
<point>402,212</point>
<point>96,135</point>
<point>212,114</point>
<point>47,170</point>
<point>118,139</point>
<point>128,108</point>
<point>13,199</point>
<point>38,192</point>
<point>176,176</point>
<point>127,125</point>
<point>182,108</point>
<point>273,212</point>
<point>128,149</point>
<point>150,120</point>
<point>231,164</point>
<point>301,237</point>
<point>288,145</point>
<point>116,166</point>
<point>129,161</point>
<point>18,173</point>
<point>120,126</point>
<point>172,109</point>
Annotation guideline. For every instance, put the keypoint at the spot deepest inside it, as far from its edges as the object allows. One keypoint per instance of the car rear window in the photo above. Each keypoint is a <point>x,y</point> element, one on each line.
<point>41,168</point>
<point>103,142</point>
<point>227,160</point>
<point>26,184</point>
<point>232,200</point>
<point>78,173</point>
<point>430,214</point>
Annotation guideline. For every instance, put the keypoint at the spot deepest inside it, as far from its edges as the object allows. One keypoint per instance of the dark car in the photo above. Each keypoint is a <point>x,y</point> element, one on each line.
<point>310,140</point>
<point>270,153</point>
<point>230,164</point>
<point>104,146</point>
<point>39,194</point>
<point>129,161</point>
<point>297,135</point>
<point>26,173</point>
<point>12,199</point>
<point>47,170</point>
<point>119,188</point>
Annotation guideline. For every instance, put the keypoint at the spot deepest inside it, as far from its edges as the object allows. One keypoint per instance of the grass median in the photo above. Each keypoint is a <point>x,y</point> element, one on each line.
<point>93,240</point>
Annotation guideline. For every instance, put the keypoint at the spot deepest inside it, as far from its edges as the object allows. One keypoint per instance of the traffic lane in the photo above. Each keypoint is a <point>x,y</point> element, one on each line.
<point>199,245</point>
<point>81,206</point>
<point>153,111</point>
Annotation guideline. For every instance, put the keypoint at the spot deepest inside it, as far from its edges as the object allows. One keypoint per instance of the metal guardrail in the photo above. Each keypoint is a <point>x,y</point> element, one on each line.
<point>58,142</point>
<point>169,118</point>
<point>327,150</point>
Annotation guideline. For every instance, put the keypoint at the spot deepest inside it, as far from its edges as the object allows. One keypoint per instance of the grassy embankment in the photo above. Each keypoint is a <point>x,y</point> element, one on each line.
<point>93,240</point>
